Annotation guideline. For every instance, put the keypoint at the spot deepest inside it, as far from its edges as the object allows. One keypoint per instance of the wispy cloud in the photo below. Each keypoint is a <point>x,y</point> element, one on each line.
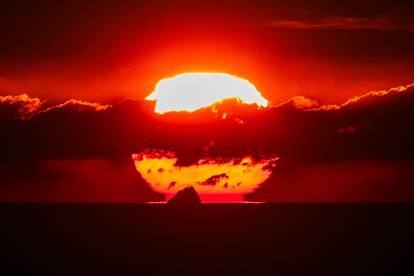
<point>305,104</point>
<point>24,107</point>
<point>343,23</point>
<point>394,90</point>
<point>300,103</point>
<point>78,105</point>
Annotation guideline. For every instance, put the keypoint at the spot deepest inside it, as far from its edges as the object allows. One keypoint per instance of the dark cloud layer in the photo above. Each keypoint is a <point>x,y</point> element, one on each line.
<point>375,127</point>
<point>85,180</point>
<point>356,181</point>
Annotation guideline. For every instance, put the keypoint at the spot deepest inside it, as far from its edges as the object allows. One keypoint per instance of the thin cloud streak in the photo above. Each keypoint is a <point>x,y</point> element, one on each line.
<point>394,90</point>
<point>303,103</point>
<point>343,23</point>
<point>79,106</point>
<point>24,107</point>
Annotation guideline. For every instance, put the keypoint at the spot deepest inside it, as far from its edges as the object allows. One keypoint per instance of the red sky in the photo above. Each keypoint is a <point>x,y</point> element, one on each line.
<point>71,138</point>
<point>102,50</point>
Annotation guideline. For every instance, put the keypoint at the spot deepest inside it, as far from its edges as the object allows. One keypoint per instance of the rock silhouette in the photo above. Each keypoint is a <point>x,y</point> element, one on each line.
<point>187,197</point>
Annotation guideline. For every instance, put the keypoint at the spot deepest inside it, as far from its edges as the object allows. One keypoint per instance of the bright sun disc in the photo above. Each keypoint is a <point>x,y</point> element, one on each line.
<point>192,91</point>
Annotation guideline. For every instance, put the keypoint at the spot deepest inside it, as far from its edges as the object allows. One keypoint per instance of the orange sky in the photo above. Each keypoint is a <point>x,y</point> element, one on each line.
<point>328,51</point>
<point>214,180</point>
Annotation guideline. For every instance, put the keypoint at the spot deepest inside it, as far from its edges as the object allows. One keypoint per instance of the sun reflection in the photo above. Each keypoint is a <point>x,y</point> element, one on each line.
<point>192,91</point>
<point>214,179</point>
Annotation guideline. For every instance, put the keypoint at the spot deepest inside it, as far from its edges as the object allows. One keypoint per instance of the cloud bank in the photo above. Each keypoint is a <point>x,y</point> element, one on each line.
<point>374,128</point>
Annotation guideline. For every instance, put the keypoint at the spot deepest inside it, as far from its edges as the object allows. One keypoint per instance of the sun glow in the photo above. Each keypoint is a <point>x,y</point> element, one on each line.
<point>214,180</point>
<point>193,91</point>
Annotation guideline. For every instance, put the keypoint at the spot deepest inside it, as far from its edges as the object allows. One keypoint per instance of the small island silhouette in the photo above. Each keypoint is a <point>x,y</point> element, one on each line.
<point>186,197</point>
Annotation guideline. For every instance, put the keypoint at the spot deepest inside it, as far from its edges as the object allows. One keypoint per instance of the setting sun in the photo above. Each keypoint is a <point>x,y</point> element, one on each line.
<point>214,179</point>
<point>192,91</point>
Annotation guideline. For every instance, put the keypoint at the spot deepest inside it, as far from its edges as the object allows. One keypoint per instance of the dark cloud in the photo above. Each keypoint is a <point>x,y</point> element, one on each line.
<point>213,180</point>
<point>83,180</point>
<point>375,123</point>
<point>18,107</point>
<point>25,107</point>
<point>374,127</point>
<point>356,181</point>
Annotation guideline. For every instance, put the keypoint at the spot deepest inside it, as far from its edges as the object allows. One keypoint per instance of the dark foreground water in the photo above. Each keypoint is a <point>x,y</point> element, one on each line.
<point>93,239</point>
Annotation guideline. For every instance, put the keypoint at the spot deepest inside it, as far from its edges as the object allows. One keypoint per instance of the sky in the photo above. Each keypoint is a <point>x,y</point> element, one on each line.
<point>108,50</point>
<point>338,76</point>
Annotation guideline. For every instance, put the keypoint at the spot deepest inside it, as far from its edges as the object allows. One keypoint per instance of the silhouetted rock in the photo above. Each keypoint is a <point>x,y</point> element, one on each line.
<point>187,197</point>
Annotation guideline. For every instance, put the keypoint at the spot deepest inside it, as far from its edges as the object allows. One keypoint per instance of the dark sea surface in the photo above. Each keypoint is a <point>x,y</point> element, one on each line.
<point>213,239</point>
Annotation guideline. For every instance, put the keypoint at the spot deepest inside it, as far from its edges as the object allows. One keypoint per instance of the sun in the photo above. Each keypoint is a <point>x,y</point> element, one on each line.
<point>193,91</point>
<point>215,180</point>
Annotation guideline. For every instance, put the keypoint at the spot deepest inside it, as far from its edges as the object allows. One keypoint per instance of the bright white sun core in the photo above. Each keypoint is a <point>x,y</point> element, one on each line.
<point>193,91</point>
